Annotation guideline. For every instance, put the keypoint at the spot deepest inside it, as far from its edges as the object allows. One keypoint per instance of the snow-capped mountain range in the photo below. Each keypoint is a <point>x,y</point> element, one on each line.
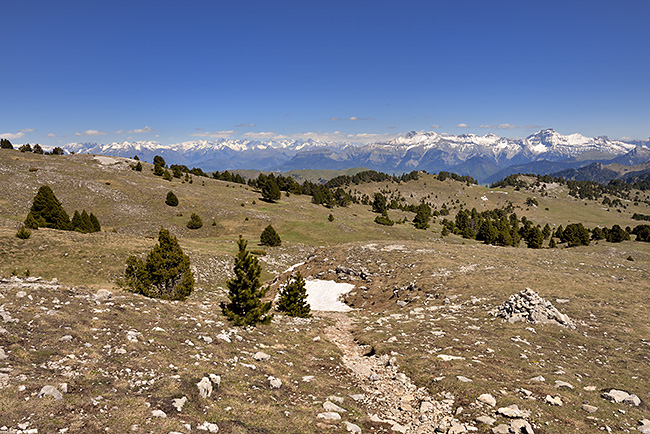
<point>480,156</point>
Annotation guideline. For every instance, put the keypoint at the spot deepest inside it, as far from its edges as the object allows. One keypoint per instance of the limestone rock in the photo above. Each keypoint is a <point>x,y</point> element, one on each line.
<point>178,403</point>
<point>275,383</point>
<point>513,412</point>
<point>463,379</point>
<point>527,305</point>
<point>553,400</point>
<point>102,295</point>
<point>50,391</point>
<point>330,406</point>
<point>205,387</point>
<point>521,426</point>
<point>488,399</point>
<point>644,427</point>
<point>209,427</point>
<point>215,379</point>
<point>485,419</point>
<point>589,408</point>
<point>350,427</point>
<point>158,413</point>
<point>330,415</point>
<point>559,384</point>
<point>501,429</point>
<point>4,380</point>
<point>261,356</point>
<point>3,355</point>
<point>620,396</point>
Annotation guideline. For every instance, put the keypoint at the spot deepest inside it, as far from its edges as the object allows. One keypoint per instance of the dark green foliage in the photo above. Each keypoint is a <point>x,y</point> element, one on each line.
<point>637,216</point>
<point>158,170</point>
<point>95,223</point>
<point>616,234</point>
<point>487,232</point>
<point>23,233</point>
<point>546,231</point>
<point>551,244</point>
<point>26,148</point>
<point>171,199</point>
<point>293,297</point>
<point>384,220</point>
<point>465,178</point>
<point>76,220</point>
<point>245,291</point>
<point>270,190</point>
<point>176,170</point>
<point>330,218</point>
<point>164,274</point>
<point>534,238</point>
<point>160,161</point>
<point>379,204</point>
<point>195,222</point>
<point>30,222</point>
<point>597,234</point>
<point>531,201</point>
<point>642,233</point>
<point>5,144</point>
<point>167,176</point>
<point>138,167</point>
<point>270,237</point>
<point>575,234</point>
<point>47,210</point>
<point>136,158</point>
<point>422,217</point>
<point>38,149</point>
<point>57,151</point>
<point>227,176</point>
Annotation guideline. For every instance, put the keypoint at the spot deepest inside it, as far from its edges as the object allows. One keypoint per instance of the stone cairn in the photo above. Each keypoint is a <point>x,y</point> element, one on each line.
<point>527,305</point>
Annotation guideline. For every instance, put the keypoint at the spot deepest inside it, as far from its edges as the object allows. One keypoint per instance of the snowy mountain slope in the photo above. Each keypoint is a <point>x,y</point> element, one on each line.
<point>429,151</point>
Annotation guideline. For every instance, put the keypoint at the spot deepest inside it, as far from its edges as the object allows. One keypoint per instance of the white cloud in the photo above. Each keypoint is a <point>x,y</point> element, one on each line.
<point>90,133</point>
<point>244,125</point>
<point>146,129</point>
<point>214,135</point>
<point>335,119</point>
<point>355,118</point>
<point>27,130</point>
<point>508,127</point>
<point>434,126</point>
<point>262,135</point>
<point>462,125</point>
<point>51,135</point>
<point>12,136</point>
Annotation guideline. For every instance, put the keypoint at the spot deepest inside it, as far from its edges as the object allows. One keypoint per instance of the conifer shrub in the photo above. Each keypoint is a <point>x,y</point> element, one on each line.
<point>575,234</point>
<point>30,222</point>
<point>270,190</point>
<point>167,176</point>
<point>47,210</point>
<point>270,237</point>
<point>330,218</point>
<point>293,297</point>
<point>95,223</point>
<point>38,149</point>
<point>23,233</point>
<point>245,291</point>
<point>384,220</point>
<point>171,199</point>
<point>5,144</point>
<point>158,170</point>
<point>422,217</point>
<point>138,167</point>
<point>195,222</point>
<point>165,273</point>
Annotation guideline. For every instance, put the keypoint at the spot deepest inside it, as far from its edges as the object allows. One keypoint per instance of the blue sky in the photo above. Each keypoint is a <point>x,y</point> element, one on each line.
<point>173,71</point>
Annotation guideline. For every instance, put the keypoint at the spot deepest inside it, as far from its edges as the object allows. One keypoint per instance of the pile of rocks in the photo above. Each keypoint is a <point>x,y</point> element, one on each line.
<point>529,306</point>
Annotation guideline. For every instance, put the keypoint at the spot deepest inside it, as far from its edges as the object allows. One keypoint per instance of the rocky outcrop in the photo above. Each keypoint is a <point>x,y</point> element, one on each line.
<point>527,305</point>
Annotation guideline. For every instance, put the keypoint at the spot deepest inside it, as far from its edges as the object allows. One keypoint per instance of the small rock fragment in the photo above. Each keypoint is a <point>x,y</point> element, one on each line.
<point>488,399</point>
<point>330,415</point>
<point>205,387</point>
<point>261,356</point>
<point>50,391</point>
<point>350,427</point>
<point>209,427</point>
<point>275,383</point>
<point>485,419</point>
<point>589,408</point>
<point>158,413</point>
<point>553,400</point>
<point>330,406</point>
<point>178,403</point>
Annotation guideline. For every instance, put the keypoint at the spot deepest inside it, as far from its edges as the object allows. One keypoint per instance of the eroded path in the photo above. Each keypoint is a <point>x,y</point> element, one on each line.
<point>389,395</point>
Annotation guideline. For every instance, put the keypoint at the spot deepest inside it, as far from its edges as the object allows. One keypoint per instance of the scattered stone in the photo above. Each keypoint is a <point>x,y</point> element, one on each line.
<point>209,427</point>
<point>357,397</point>
<point>3,355</point>
<point>553,400</point>
<point>645,426</point>
<point>178,403</point>
<point>158,413</point>
<point>529,306</point>
<point>261,357</point>
<point>66,338</point>
<point>205,387</point>
<point>330,415</point>
<point>216,380</point>
<point>559,384</point>
<point>513,412</point>
<point>275,383</point>
<point>521,426</point>
<point>337,399</point>
<point>330,406</point>
<point>426,406</point>
<point>63,387</point>
<point>501,429</point>
<point>457,428</point>
<point>4,380</point>
<point>350,427</point>
<point>589,408</point>
<point>21,294</point>
<point>308,378</point>
<point>488,399</point>
<point>102,295</point>
<point>589,388</point>
<point>463,379</point>
<point>447,358</point>
<point>50,391</point>
<point>620,396</point>
<point>538,379</point>
<point>486,420</point>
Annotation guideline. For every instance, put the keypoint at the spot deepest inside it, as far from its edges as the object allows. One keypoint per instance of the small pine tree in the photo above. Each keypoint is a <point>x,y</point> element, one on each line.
<point>167,176</point>
<point>384,220</point>
<point>379,203</point>
<point>25,148</point>
<point>330,218</point>
<point>86,224</point>
<point>166,272</point>
<point>76,221</point>
<point>195,222</point>
<point>38,149</point>
<point>534,238</point>
<point>157,159</point>
<point>270,190</point>
<point>30,222</point>
<point>245,291</point>
<point>293,297</point>
<point>23,233</point>
<point>47,210</point>
<point>171,199</point>
<point>158,170</point>
<point>270,237</point>
<point>5,144</point>
<point>551,244</point>
<point>421,219</point>
<point>95,222</point>
<point>138,167</point>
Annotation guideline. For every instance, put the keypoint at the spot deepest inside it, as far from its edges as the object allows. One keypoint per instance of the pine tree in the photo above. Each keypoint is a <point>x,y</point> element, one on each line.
<point>76,221</point>
<point>270,190</point>
<point>534,238</point>
<point>5,144</point>
<point>379,203</point>
<point>171,199</point>
<point>270,237</point>
<point>30,222</point>
<point>86,224</point>
<point>293,297</point>
<point>38,149</point>
<point>166,272</point>
<point>138,167</point>
<point>421,219</point>
<point>245,291</point>
<point>47,210</point>
<point>330,218</point>
<point>23,233</point>
<point>167,176</point>
<point>95,222</point>
<point>158,170</point>
<point>160,161</point>
<point>195,222</point>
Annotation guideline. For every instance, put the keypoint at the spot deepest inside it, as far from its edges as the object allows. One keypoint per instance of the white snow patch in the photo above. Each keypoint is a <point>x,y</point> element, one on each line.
<point>106,160</point>
<point>293,267</point>
<point>324,295</point>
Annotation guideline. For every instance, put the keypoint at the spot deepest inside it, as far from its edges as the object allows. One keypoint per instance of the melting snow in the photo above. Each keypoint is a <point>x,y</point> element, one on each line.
<point>324,295</point>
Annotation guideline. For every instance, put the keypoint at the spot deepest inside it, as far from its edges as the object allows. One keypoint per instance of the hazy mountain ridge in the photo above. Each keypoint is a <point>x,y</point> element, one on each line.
<point>483,157</point>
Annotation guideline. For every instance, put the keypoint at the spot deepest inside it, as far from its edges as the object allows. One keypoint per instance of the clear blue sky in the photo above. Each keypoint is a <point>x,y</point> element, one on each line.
<point>173,71</point>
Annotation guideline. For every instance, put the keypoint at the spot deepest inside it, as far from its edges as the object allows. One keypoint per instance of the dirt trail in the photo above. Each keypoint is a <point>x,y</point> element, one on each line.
<point>389,395</point>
